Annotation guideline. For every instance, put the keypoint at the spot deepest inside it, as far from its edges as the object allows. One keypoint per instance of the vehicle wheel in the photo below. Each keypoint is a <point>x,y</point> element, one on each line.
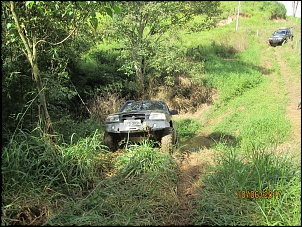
<point>284,41</point>
<point>176,142</point>
<point>167,140</point>
<point>110,141</point>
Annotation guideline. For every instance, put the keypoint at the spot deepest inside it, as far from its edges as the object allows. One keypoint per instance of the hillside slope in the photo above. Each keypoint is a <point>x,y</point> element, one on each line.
<point>194,163</point>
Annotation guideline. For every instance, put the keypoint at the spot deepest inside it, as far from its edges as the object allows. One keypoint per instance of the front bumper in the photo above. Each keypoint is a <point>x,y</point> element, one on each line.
<point>276,41</point>
<point>136,126</point>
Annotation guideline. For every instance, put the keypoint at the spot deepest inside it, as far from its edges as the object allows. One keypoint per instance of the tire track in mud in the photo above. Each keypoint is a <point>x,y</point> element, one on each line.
<point>293,86</point>
<point>192,166</point>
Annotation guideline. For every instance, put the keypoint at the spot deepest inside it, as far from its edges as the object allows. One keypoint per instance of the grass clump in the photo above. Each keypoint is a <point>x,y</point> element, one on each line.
<point>187,128</point>
<point>264,130</point>
<point>71,131</point>
<point>235,84</point>
<point>141,192</point>
<point>224,200</point>
<point>44,173</point>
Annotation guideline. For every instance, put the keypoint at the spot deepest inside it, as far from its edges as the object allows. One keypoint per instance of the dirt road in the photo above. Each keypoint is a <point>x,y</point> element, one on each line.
<point>293,84</point>
<point>194,163</point>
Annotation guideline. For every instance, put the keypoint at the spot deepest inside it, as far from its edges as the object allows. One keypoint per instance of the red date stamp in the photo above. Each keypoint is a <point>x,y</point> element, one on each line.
<point>255,194</point>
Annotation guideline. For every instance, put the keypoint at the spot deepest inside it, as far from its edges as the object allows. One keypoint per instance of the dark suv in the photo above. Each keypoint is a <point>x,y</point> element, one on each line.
<point>136,121</point>
<point>281,36</point>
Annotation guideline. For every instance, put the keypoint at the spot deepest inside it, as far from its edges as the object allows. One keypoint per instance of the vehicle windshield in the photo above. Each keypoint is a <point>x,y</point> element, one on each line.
<point>279,32</point>
<point>145,105</point>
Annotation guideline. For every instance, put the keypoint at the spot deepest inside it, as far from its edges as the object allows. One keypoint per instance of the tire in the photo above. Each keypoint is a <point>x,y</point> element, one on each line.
<point>283,42</point>
<point>176,143</point>
<point>167,140</point>
<point>272,45</point>
<point>110,141</point>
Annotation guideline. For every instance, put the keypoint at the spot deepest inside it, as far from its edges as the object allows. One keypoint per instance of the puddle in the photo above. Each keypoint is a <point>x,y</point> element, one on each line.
<point>196,143</point>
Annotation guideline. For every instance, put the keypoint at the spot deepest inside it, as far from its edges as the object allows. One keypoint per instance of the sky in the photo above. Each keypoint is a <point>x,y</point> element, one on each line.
<point>289,8</point>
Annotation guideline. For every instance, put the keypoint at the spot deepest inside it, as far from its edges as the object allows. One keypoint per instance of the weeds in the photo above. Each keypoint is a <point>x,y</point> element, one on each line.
<point>78,182</point>
<point>47,170</point>
<point>187,128</point>
<point>231,184</point>
<point>140,193</point>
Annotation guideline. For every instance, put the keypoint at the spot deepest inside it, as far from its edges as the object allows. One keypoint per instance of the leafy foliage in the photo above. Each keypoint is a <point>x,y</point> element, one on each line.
<point>76,181</point>
<point>187,128</point>
<point>142,34</point>
<point>267,10</point>
<point>31,25</point>
<point>234,175</point>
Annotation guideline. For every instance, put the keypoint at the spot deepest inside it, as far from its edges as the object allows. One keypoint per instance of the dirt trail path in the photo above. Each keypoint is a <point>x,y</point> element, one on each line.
<point>293,85</point>
<point>194,163</point>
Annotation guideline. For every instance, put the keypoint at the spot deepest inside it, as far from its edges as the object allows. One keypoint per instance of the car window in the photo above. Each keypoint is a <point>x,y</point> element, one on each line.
<point>146,105</point>
<point>282,32</point>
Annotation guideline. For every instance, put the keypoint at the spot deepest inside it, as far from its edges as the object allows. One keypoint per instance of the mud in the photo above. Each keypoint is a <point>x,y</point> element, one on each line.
<point>196,143</point>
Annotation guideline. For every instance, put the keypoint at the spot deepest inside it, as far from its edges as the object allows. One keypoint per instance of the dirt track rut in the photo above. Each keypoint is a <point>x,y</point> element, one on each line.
<point>193,164</point>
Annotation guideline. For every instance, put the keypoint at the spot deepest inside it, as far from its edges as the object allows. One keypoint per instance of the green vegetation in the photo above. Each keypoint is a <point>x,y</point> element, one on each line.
<point>187,128</point>
<point>69,177</point>
<point>262,171</point>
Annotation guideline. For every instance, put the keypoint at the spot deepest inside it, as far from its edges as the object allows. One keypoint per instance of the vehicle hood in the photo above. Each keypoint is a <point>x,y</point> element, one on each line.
<point>142,112</point>
<point>277,36</point>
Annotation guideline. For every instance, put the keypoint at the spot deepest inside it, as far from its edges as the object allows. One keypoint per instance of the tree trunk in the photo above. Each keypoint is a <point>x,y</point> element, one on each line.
<point>139,79</point>
<point>295,6</point>
<point>46,117</point>
<point>31,54</point>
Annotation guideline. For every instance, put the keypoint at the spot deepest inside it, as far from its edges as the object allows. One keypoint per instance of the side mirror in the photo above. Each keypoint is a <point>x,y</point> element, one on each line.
<point>173,112</point>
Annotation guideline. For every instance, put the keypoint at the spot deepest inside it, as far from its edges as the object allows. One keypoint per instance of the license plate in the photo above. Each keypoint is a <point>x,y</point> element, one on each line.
<point>130,123</point>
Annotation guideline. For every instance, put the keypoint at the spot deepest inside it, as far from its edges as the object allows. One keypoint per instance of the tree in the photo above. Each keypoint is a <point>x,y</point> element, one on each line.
<point>142,24</point>
<point>295,6</point>
<point>38,27</point>
<point>31,54</point>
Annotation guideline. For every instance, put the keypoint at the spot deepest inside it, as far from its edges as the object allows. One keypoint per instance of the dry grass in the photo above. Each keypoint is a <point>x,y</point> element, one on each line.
<point>185,96</point>
<point>106,104</point>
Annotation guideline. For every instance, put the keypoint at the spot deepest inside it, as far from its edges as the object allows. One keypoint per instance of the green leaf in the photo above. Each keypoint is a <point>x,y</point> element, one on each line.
<point>93,14</point>
<point>117,9</point>
<point>83,3</point>
<point>94,22</point>
<point>29,4</point>
<point>108,11</point>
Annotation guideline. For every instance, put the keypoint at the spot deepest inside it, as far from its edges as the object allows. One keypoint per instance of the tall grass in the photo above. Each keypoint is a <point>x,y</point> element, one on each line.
<point>255,116</point>
<point>141,192</point>
<point>262,170</point>
<point>32,168</point>
<point>263,130</point>
<point>78,182</point>
<point>187,128</point>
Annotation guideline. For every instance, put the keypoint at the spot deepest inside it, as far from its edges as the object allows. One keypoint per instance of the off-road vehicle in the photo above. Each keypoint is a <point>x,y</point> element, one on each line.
<point>281,36</point>
<point>138,120</point>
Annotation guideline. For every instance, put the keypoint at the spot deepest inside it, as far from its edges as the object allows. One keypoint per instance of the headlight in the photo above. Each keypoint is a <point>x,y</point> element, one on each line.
<point>157,116</point>
<point>112,118</point>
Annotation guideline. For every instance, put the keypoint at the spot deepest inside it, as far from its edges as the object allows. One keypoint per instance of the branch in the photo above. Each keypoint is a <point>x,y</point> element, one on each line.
<point>65,38</point>
<point>42,40</point>
<point>27,43</point>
